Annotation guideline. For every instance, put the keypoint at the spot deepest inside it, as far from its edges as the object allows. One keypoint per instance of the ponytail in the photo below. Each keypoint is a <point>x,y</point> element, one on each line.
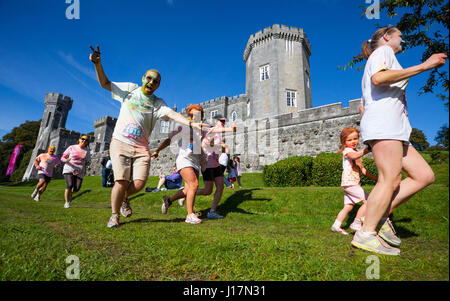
<point>369,46</point>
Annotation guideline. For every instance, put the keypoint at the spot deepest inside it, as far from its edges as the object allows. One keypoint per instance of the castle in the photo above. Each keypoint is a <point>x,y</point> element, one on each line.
<point>275,117</point>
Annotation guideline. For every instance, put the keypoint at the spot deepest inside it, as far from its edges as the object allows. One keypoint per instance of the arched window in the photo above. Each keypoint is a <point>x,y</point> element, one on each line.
<point>233,116</point>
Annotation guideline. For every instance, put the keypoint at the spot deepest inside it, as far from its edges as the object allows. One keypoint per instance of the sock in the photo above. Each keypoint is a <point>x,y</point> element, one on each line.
<point>337,224</point>
<point>367,234</point>
<point>357,221</point>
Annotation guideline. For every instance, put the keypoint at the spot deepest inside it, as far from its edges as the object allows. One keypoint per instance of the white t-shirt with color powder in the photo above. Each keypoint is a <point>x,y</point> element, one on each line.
<point>47,164</point>
<point>350,173</point>
<point>138,113</point>
<point>385,111</point>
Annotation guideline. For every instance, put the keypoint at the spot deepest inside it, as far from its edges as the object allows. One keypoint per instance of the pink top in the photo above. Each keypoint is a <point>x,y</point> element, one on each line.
<point>78,159</point>
<point>46,163</point>
<point>350,172</point>
<point>212,147</point>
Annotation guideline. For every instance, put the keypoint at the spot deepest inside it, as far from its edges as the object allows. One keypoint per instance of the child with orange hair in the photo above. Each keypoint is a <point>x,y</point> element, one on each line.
<point>350,182</point>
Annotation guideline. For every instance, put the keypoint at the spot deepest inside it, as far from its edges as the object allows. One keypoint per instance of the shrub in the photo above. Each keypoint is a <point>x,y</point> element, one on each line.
<point>370,165</point>
<point>293,171</point>
<point>327,169</point>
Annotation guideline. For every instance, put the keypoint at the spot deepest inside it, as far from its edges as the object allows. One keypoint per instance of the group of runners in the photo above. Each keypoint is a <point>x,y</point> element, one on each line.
<point>385,131</point>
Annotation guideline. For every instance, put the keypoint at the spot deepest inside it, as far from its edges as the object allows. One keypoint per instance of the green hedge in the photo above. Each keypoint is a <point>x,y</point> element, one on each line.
<point>324,170</point>
<point>294,171</point>
<point>327,169</point>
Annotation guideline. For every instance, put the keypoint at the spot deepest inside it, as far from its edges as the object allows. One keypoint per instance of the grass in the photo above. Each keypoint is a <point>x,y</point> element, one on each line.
<point>267,234</point>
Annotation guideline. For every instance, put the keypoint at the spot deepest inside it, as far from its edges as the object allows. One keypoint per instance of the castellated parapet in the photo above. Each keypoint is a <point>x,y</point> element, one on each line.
<point>277,32</point>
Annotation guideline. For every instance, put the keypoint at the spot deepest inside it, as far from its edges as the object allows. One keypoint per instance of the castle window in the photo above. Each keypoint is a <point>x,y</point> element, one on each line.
<point>307,79</point>
<point>48,118</point>
<point>214,113</point>
<point>264,72</point>
<point>248,109</point>
<point>291,98</point>
<point>164,127</point>
<point>234,116</point>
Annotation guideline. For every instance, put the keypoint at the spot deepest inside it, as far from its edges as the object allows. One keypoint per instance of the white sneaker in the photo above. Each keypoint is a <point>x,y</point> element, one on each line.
<point>181,202</point>
<point>34,193</point>
<point>193,219</point>
<point>36,198</point>
<point>339,230</point>
<point>213,215</point>
<point>66,205</point>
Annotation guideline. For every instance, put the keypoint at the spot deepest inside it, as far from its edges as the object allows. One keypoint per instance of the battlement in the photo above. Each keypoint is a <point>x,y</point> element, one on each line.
<point>334,110</point>
<point>277,32</point>
<point>222,100</point>
<point>107,120</point>
<point>54,98</point>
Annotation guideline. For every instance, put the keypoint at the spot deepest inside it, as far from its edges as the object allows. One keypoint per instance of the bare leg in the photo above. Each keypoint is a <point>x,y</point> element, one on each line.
<point>40,184</point>
<point>162,180</point>
<point>344,212</point>
<point>190,177</point>
<point>117,195</point>
<point>218,194</point>
<point>361,211</point>
<point>43,187</point>
<point>68,195</point>
<point>420,175</point>
<point>388,156</point>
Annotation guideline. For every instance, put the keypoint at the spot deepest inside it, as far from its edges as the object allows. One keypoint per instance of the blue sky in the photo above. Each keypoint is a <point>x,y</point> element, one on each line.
<point>197,45</point>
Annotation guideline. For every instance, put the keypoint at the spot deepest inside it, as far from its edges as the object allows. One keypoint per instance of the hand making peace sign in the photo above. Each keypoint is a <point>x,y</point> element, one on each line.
<point>95,55</point>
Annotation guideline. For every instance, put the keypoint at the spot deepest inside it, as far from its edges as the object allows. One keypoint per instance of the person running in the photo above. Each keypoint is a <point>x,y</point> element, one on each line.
<point>188,163</point>
<point>351,168</point>
<point>213,173</point>
<point>76,157</point>
<point>237,165</point>
<point>139,112</point>
<point>224,160</point>
<point>385,128</point>
<point>45,165</point>
<point>106,169</point>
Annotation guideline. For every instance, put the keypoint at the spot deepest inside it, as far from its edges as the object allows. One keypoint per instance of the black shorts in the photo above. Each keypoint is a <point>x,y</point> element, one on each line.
<point>211,173</point>
<point>46,178</point>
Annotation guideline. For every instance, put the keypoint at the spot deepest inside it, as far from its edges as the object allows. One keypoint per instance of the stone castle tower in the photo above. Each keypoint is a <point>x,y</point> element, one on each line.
<point>52,130</point>
<point>277,71</point>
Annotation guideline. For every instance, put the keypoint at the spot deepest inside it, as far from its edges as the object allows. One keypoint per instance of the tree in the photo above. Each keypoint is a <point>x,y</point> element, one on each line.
<point>26,134</point>
<point>418,139</point>
<point>442,136</point>
<point>418,27</point>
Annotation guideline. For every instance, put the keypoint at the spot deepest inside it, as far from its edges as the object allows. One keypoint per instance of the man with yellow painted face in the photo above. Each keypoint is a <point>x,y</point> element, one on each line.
<point>129,149</point>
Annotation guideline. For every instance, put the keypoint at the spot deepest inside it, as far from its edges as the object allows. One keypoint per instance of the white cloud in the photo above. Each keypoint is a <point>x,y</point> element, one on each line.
<point>69,59</point>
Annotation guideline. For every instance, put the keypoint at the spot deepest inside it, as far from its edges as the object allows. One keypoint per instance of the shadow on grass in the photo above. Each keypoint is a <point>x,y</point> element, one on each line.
<point>402,232</point>
<point>150,220</point>
<point>76,196</point>
<point>232,202</point>
<point>136,196</point>
<point>18,184</point>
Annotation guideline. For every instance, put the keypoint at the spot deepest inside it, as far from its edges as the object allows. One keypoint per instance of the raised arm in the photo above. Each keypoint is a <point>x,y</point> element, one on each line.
<point>357,154</point>
<point>101,76</point>
<point>387,77</point>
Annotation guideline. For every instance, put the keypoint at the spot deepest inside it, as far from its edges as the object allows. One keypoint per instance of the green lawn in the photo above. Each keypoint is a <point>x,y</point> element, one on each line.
<point>267,234</point>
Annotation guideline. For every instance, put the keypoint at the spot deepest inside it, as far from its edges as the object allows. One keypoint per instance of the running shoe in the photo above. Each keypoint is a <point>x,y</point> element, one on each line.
<point>193,219</point>
<point>213,215</point>
<point>66,205</point>
<point>339,230</point>
<point>125,209</point>
<point>34,193</point>
<point>373,243</point>
<point>113,221</point>
<point>37,198</point>
<point>166,204</point>
<point>387,232</point>
<point>181,202</point>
